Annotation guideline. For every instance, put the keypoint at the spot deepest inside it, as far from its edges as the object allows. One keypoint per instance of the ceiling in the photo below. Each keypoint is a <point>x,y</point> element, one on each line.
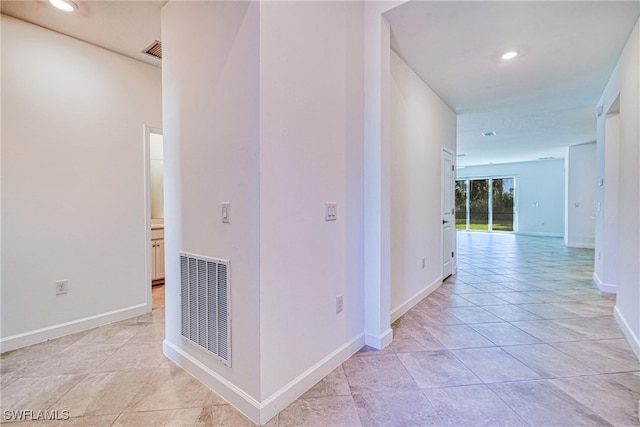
<point>125,27</point>
<point>538,103</point>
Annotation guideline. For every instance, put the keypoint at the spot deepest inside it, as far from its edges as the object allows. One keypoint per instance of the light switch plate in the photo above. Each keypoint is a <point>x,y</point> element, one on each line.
<point>330,211</point>
<point>226,212</point>
<point>339,304</point>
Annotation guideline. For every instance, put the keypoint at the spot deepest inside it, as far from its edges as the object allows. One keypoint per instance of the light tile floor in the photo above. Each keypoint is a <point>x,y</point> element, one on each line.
<point>518,337</point>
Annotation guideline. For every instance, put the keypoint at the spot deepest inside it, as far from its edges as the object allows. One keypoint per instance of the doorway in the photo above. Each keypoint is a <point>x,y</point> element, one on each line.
<point>155,205</point>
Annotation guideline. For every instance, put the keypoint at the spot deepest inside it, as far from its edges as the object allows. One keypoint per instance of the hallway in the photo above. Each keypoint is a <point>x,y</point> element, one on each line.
<point>518,337</point>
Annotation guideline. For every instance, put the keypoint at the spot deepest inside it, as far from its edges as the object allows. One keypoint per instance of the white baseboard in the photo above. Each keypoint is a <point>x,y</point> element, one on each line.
<point>237,397</point>
<point>56,331</point>
<point>378,341</point>
<point>303,382</point>
<point>604,287</point>
<point>411,302</point>
<point>539,234</point>
<point>256,411</point>
<point>632,339</point>
<point>581,245</point>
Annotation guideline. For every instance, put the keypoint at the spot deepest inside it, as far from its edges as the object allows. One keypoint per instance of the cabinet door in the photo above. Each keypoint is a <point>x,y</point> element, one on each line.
<point>157,259</point>
<point>154,260</point>
<point>160,258</point>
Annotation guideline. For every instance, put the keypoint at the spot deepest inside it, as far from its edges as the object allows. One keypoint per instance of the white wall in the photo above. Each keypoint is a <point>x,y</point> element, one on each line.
<point>421,125</point>
<point>156,166</point>
<point>605,272</point>
<point>377,181</point>
<point>540,193</point>
<point>264,109</point>
<point>73,202</point>
<point>211,150</point>
<point>311,109</point>
<point>580,196</point>
<point>624,84</point>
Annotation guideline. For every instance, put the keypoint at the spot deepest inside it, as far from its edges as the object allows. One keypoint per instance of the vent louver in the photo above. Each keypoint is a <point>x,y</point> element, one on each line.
<point>154,49</point>
<point>206,309</point>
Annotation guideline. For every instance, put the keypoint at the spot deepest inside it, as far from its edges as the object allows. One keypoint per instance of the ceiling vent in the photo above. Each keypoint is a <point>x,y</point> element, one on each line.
<point>154,49</point>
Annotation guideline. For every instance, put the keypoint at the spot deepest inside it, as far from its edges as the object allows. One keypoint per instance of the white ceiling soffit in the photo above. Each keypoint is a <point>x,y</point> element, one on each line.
<point>538,103</point>
<point>125,27</point>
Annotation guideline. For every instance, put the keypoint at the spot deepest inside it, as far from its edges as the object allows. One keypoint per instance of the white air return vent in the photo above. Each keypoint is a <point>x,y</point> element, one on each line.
<point>206,306</point>
<point>154,49</point>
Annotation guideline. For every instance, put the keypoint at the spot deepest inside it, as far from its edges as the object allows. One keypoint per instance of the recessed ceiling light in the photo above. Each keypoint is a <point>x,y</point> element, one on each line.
<point>64,5</point>
<point>491,133</point>
<point>510,55</point>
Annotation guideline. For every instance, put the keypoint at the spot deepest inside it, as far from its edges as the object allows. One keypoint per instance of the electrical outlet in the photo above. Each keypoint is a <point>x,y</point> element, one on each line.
<point>424,261</point>
<point>62,287</point>
<point>339,304</point>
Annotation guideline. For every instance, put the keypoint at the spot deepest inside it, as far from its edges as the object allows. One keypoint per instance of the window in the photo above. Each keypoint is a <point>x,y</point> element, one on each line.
<point>486,204</point>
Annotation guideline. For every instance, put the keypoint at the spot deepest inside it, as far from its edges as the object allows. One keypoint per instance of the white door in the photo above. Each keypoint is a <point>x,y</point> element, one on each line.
<point>448,179</point>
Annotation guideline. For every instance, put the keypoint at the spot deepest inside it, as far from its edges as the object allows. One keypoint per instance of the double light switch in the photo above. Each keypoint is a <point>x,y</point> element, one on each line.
<point>330,212</point>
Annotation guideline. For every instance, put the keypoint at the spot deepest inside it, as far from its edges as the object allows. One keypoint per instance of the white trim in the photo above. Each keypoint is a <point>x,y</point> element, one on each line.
<point>378,341</point>
<point>581,245</point>
<point>226,389</point>
<point>538,234</point>
<point>632,339</point>
<point>604,287</point>
<point>56,331</point>
<point>411,302</point>
<point>303,382</point>
<point>261,412</point>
